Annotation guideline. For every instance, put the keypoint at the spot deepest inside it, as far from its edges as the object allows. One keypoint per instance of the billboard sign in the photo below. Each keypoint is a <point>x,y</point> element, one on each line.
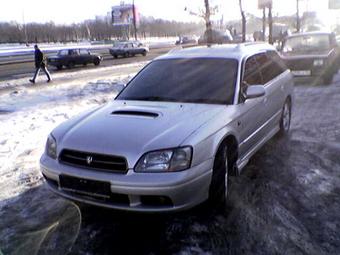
<point>264,3</point>
<point>122,15</point>
<point>334,4</point>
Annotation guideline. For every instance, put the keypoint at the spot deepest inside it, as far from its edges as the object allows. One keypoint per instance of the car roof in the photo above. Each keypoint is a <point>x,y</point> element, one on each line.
<point>233,51</point>
<point>310,33</point>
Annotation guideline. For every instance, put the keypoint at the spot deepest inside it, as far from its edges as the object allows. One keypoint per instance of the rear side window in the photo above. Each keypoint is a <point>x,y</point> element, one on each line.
<point>270,65</point>
<point>84,52</point>
<point>278,65</point>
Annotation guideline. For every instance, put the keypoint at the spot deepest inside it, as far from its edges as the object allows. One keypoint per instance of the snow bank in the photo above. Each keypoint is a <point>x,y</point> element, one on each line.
<point>28,114</point>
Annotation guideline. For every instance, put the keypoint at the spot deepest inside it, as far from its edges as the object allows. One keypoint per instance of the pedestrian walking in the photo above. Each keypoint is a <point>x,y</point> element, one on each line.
<point>39,64</point>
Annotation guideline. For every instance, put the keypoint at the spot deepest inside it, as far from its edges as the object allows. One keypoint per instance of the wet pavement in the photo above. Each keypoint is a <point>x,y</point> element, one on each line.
<point>286,201</point>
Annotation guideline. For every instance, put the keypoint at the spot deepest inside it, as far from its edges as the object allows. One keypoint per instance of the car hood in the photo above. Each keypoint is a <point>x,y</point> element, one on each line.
<point>319,54</point>
<point>133,128</point>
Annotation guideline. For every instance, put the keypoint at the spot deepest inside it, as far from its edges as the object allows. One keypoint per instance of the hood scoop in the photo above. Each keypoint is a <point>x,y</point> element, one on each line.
<point>136,113</point>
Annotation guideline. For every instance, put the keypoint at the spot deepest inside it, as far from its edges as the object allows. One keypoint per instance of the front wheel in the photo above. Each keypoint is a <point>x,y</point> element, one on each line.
<point>144,53</point>
<point>219,181</point>
<point>286,117</point>
<point>59,67</point>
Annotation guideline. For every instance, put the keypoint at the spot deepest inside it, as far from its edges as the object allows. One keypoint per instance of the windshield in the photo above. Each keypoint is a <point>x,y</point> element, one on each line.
<point>185,80</point>
<point>307,44</point>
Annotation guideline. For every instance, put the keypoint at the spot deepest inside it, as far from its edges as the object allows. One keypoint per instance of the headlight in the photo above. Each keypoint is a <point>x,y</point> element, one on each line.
<point>171,160</point>
<point>318,62</point>
<point>51,147</point>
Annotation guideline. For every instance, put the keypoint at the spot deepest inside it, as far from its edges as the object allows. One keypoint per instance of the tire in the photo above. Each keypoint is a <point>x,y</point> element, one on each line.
<point>96,62</point>
<point>85,64</point>
<point>219,181</point>
<point>328,79</point>
<point>115,56</point>
<point>59,67</point>
<point>286,117</point>
<point>127,54</point>
<point>71,65</point>
<point>144,53</point>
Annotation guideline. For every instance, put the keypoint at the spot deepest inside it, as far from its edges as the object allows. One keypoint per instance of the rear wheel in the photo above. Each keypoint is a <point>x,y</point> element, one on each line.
<point>144,53</point>
<point>71,65</point>
<point>127,54</point>
<point>285,118</point>
<point>115,56</point>
<point>96,62</point>
<point>59,67</point>
<point>219,181</point>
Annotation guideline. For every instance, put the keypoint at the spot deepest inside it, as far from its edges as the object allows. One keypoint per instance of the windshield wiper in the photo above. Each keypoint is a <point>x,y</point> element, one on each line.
<point>152,98</point>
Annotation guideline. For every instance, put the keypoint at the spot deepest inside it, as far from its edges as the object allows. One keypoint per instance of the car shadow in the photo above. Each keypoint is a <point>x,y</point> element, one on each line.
<point>272,208</point>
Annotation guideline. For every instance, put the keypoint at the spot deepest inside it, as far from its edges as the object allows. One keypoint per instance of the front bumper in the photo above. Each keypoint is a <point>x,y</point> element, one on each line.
<point>184,189</point>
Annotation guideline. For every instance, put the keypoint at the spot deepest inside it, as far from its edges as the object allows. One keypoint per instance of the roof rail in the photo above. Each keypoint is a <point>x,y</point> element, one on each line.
<point>245,44</point>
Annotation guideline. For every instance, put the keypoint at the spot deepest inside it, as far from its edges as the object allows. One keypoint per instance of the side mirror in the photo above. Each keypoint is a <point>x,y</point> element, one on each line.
<point>255,91</point>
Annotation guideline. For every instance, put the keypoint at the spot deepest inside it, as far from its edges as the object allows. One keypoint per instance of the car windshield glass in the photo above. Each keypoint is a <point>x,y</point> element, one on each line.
<point>307,44</point>
<point>200,80</point>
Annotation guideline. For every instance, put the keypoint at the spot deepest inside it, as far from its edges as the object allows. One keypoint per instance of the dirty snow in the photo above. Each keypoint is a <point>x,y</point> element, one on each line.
<point>285,202</point>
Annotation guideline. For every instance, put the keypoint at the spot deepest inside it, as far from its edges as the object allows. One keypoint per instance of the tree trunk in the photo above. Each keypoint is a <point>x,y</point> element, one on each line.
<point>208,22</point>
<point>244,22</point>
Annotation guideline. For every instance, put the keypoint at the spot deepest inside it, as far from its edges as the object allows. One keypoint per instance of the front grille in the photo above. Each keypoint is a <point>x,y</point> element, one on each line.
<point>93,161</point>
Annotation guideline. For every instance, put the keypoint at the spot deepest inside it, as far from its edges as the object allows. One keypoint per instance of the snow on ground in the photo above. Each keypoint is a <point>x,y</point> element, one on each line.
<point>28,114</point>
<point>285,202</point>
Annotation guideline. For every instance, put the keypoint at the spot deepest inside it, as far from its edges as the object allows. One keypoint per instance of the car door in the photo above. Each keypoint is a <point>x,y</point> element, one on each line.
<point>251,117</point>
<point>85,56</point>
<point>274,80</point>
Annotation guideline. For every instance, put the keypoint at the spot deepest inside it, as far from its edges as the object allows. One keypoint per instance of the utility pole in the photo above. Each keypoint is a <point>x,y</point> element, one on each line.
<point>208,22</point>
<point>134,18</point>
<point>244,22</point>
<point>25,29</point>
<point>298,22</point>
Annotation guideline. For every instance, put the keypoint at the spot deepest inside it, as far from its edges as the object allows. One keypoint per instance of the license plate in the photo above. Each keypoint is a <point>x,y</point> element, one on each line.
<point>85,186</point>
<point>302,73</point>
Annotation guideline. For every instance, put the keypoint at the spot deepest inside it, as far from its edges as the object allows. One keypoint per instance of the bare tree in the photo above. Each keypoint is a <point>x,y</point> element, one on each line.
<point>208,22</point>
<point>244,21</point>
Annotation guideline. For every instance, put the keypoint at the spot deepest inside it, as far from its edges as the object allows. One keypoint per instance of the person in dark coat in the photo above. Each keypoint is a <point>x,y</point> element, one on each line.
<point>39,64</point>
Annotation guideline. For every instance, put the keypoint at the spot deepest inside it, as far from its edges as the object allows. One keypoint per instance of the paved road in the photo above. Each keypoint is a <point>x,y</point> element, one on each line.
<point>285,202</point>
<point>20,70</point>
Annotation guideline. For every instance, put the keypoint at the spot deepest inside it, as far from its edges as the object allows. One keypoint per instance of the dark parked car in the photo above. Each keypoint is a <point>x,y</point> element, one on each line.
<point>127,49</point>
<point>312,54</point>
<point>186,40</point>
<point>218,37</point>
<point>72,57</point>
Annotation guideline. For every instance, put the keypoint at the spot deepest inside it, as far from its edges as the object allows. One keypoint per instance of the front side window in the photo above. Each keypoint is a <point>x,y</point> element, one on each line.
<point>63,52</point>
<point>197,80</point>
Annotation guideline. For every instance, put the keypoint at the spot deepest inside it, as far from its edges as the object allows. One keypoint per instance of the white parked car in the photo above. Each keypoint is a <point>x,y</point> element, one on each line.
<point>174,135</point>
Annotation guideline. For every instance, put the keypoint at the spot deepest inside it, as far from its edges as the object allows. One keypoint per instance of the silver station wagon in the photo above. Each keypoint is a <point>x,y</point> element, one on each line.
<point>171,138</point>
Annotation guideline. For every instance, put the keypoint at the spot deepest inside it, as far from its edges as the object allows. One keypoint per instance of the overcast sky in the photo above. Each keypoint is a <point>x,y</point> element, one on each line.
<point>70,11</point>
